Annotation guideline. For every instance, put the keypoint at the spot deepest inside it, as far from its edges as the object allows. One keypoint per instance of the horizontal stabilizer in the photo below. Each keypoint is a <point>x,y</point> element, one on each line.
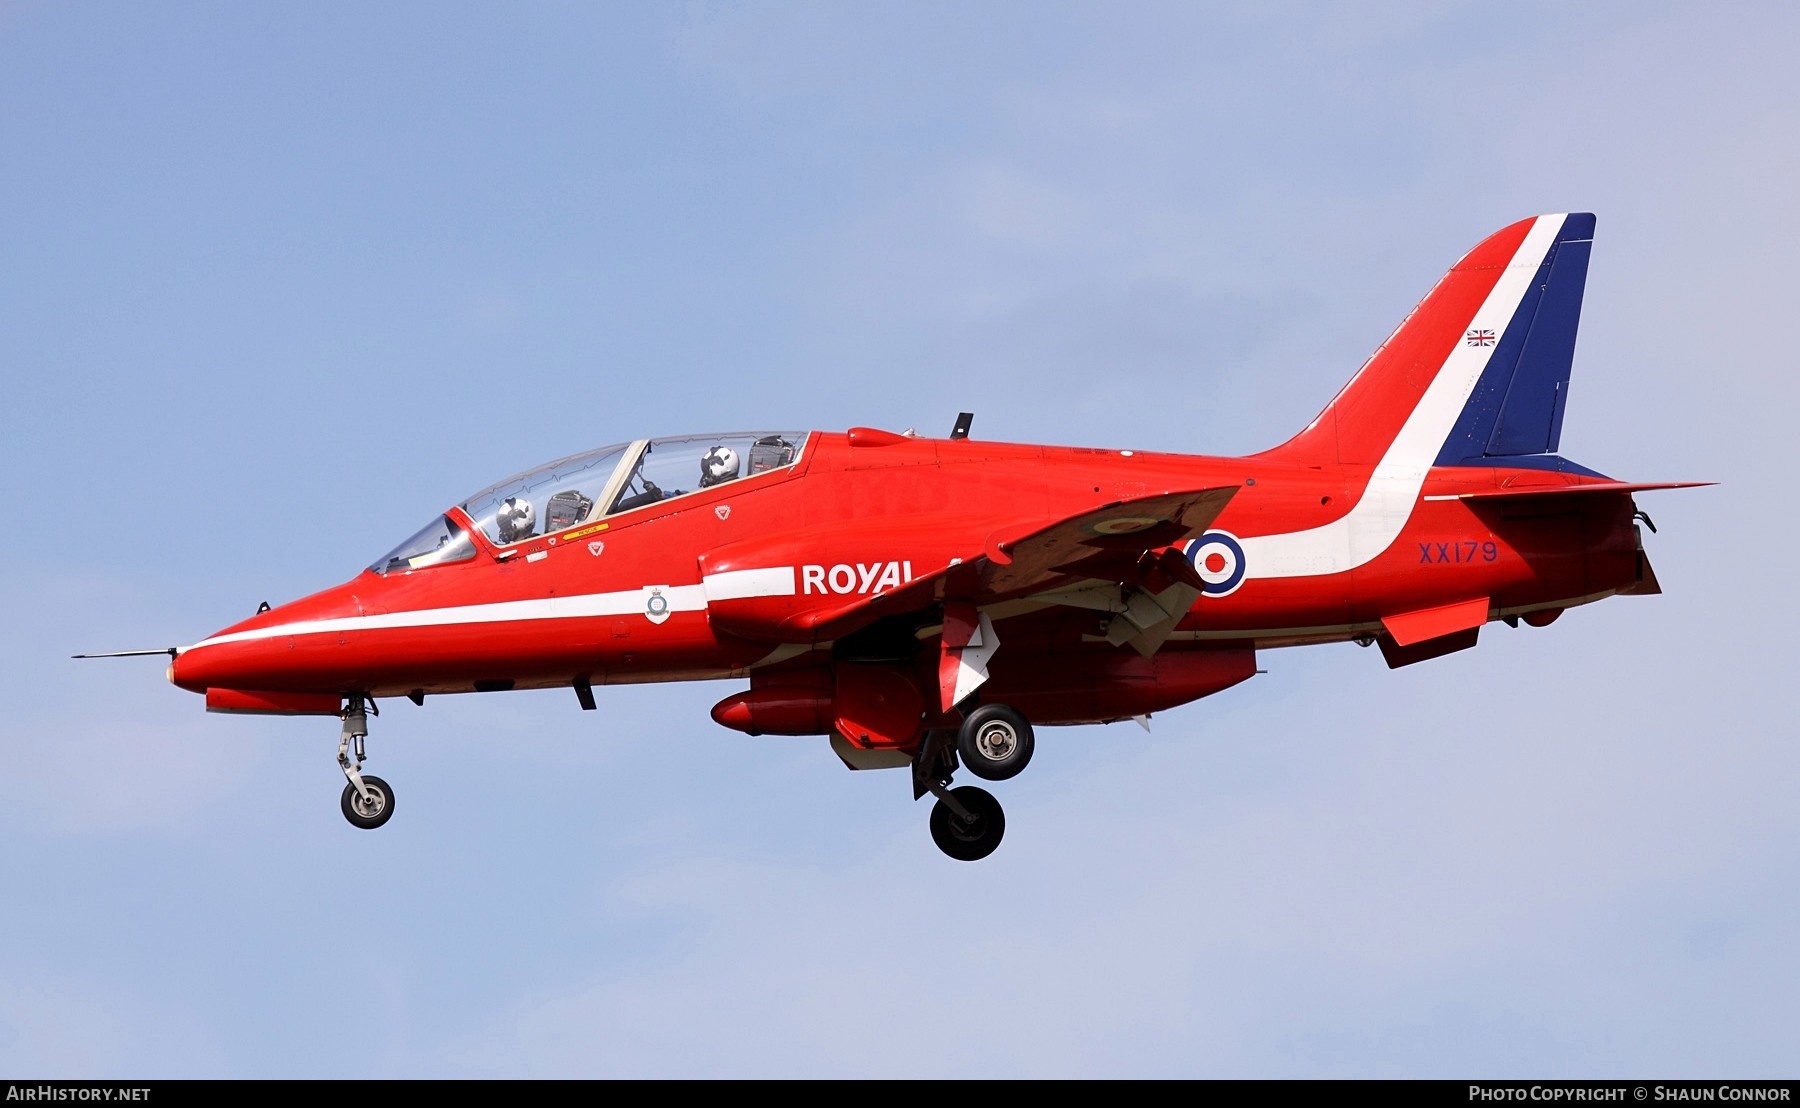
<point>1517,493</point>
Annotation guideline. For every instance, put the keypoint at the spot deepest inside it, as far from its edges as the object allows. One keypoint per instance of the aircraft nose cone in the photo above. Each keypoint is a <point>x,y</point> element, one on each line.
<point>212,664</point>
<point>224,661</point>
<point>182,676</point>
<point>296,647</point>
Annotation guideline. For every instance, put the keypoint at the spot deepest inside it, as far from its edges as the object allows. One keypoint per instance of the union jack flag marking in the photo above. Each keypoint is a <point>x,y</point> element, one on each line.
<point>1482,337</point>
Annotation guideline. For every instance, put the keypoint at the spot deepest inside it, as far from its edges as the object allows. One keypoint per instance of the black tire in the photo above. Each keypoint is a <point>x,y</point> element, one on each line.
<point>975,839</point>
<point>995,742</point>
<point>363,815</point>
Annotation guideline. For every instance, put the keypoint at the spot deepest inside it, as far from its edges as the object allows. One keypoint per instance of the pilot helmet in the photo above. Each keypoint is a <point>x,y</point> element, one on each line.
<point>515,519</point>
<point>719,464</point>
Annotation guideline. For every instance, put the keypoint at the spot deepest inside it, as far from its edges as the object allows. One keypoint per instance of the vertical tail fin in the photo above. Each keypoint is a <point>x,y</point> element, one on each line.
<point>1478,372</point>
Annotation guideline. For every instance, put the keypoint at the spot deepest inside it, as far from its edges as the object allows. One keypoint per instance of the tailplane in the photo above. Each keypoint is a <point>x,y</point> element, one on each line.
<point>1478,373</point>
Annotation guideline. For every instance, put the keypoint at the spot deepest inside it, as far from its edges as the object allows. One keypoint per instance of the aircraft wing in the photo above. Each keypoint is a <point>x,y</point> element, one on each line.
<point>1105,544</point>
<point>1112,558</point>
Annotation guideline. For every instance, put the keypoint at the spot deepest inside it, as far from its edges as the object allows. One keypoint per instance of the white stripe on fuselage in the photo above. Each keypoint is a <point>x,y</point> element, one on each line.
<point>1387,503</point>
<point>740,584</point>
<point>681,598</point>
<point>734,584</point>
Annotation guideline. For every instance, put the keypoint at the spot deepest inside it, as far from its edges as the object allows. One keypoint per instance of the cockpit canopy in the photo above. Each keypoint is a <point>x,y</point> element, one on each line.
<point>600,483</point>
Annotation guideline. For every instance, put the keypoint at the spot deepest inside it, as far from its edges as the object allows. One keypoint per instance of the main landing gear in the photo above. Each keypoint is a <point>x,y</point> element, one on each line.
<point>995,742</point>
<point>368,801</point>
<point>966,823</point>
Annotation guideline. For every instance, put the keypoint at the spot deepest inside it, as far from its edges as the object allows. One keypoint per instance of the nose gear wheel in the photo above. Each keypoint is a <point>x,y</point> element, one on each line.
<point>372,807</point>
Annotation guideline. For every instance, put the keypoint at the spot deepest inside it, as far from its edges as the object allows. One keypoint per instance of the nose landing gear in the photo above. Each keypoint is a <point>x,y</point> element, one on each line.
<point>368,802</point>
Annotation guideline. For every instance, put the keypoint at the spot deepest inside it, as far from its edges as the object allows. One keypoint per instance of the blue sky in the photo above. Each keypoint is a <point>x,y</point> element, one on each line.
<point>282,281</point>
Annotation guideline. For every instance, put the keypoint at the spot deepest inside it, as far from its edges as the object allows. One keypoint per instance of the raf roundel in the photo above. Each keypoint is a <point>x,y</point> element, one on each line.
<point>1218,558</point>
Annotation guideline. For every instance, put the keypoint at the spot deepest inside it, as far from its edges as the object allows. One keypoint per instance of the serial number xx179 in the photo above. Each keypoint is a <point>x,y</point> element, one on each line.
<point>1453,552</point>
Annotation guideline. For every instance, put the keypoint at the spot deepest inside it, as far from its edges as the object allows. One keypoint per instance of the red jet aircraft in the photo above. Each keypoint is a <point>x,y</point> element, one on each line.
<point>927,603</point>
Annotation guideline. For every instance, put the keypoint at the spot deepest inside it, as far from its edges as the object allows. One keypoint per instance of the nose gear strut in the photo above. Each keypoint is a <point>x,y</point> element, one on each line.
<point>367,800</point>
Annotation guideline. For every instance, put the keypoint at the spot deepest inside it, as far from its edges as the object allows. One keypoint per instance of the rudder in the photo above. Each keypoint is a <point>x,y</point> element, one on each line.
<point>1516,409</point>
